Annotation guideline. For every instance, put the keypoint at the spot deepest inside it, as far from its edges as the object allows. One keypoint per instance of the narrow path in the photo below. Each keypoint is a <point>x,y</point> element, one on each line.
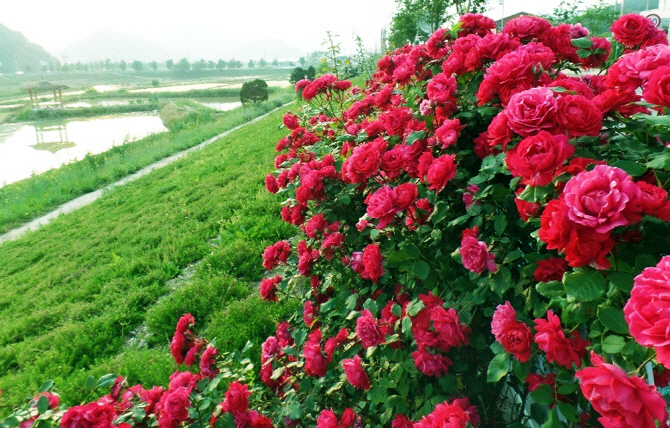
<point>93,196</point>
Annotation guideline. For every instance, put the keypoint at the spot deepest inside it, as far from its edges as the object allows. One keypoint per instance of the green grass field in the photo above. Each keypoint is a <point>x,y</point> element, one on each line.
<point>74,293</point>
<point>25,200</point>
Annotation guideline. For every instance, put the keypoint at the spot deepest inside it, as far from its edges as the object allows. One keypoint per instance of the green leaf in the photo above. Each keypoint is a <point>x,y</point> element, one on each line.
<point>661,161</point>
<point>613,318</point>
<point>90,383</point>
<point>406,325</point>
<point>440,211</point>
<point>12,421</point>
<point>370,305</point>
<point>299,336</point>
<point>500,224</point>
<point>535,193</point>
<point>521,370</point>
<point>568,411</point>
<point>42,404</point>
<point>654,120</point>
<point>498,368</point>
<point>584,286</point>
<point>632,168</point>
<point>621,280</point>
<point>613,344</point>
<point>377,394</point>
<point>107,380</point>
<point>582,42</point>
<point>47,385</point>
<point>553,421</point>
<point>567,388</point>
<point>414,307</point>
<point>543,395</point>
<point>583,53</point>
<point>550,289</point>
<point>414,136</point>
<point>421,269</point>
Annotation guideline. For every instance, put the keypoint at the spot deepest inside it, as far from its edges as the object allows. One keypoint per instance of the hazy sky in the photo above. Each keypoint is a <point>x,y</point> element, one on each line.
<point>54,24</point>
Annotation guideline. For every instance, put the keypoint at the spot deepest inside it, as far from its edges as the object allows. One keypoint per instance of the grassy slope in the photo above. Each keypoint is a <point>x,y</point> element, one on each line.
<point>72,293</point>
<point>25,200</point>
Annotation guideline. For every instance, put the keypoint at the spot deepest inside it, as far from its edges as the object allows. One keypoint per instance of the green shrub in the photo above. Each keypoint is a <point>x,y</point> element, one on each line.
<point>254,91</point>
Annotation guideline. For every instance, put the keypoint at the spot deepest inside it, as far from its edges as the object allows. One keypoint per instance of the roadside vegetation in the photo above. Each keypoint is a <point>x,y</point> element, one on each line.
<point>95,291</point>
<point>25,200</point>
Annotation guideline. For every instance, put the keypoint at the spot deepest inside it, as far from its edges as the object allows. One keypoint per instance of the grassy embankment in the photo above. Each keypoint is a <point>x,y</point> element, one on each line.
<point>74,294</point>
<point>25,200</point>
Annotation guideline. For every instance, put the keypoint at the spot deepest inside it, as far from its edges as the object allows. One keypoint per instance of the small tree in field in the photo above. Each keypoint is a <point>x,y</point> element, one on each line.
<point>297,74</point>
<point>153,65</point>
<point>137,65</point>
<point>221,64</point>
<point>169,64</point>
<point>254,91</point>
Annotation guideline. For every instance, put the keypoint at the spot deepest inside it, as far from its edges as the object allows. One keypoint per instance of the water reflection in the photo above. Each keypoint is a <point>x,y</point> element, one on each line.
<point>27,149</point>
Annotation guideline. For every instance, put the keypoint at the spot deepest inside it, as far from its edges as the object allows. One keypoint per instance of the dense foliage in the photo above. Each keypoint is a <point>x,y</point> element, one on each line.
<point>483,231</point>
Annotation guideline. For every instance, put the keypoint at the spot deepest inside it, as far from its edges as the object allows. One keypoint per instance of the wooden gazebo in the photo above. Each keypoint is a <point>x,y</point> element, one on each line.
<point>45,86</point>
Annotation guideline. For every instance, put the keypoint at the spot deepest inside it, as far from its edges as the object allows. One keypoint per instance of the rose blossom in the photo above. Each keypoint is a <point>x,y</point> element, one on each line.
<point>451,415</point>
<point>236,398</point>
<point>549,269</point>
<point>602,198</point>
<point>537,158</point>
<point>531,111</point>
<point>367,330</point>
<point>356,376</point>
<point>381,206</point>
<point>578,116</point>
<point>632,29</point>
<point>622,400</point>
<point>514,336</point>
<point>475,254</point>
<point>647,310</point>
<point>657,88</point>
<point>441,88</point>
<point>441,170</point>
<point>89,415</point>
<point>431,364</point>
<point>550,338</point>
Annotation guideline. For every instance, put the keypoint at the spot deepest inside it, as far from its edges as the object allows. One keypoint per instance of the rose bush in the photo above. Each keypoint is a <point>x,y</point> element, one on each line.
<point>482,227</point>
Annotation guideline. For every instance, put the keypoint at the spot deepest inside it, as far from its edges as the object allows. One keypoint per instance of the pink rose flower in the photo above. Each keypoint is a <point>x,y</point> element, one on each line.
<point>355,373</point>
<point>532,111</point>
<point>647,310</point>
<point>368,331</point>
<point>514,336</point>
<point>537,158</point>
<point>602,198</point>
<point>431,364</point>
<point>623,401</point>
<point>550,338</point>
<point>236,398</point>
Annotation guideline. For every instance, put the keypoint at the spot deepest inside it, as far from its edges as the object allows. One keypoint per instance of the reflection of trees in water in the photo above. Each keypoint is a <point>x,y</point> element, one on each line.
<point>52,137</point>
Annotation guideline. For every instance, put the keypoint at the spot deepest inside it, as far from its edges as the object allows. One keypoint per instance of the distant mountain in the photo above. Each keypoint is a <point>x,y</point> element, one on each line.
<point>19,54</point>
<point>108,43</point>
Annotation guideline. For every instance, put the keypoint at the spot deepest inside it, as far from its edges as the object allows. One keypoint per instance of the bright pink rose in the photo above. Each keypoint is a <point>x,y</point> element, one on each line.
<point>475,255</point>
<point>381,205</point>
<point>275,254</point>
<point>647,310</point>
<point>401,421</point>
<point>405,195</point>
<point>602,198</point>
<point>657,88</point>
<point>450,415</point>
<point>437,45</point>
<point>514,336</point>
<point>395,120</point>
<point>355,373</point>
<point>532,111</point>
<point>447,134</point>
<point>550,338</point>
<point>441,88</point>
<point>632,29</point>
<point>268,288</point>
<point>174,407</point>
<point>451,331</point>
<point>431,364</point>
<point>527,27</point>
<point>372,263</point>
<point>475,23</point>
<point>623,401</point>
<point>363,162</point>
<point>537,158</point>
<point>578,116</point>
<point>92,415</point>
<point>236,398</point>
<point>208,362</point>
<point>440,172</point>
<point>315,363</point>
<point>549,269</point>
<point>368,331</point>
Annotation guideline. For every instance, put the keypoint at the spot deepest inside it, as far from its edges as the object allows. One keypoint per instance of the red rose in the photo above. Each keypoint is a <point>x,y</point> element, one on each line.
<point>623,401</point>
<point>587,247</point>
<point>392,162</point>
<point>602,198</point>
<point>431,364</point>
<point>654,201</point>
<point>514,336</point>
<point>550,338</point>
<point>395,120</point>
<point>405,195</point>
<point>475,255</point>
<point>578,116</point>
<point>447,134</point>
<point>475,23</point>
<point>236,398</point>
<point>437,45</point>
<point>363,162</point>
<point>450,415</point>
<point>554,225</point>
<point>441,88</point>
<point>92,415</point>
<point>315,363</point>
<point>647,310</point>
<point>440,172</point>
<point>657,88</point>
<point>632,29</point>
<point>268,288</point>
<point>326,419</point>
<point>368,331</point>
<point>451,331</point>
<point>538,158</point>
<point>527,27</point>
<point>381,205</point>
<point>531,111</point>
<point>355,373</point>
<point>174,407</point>
<point>372,263</point>
<point>549,269</point>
